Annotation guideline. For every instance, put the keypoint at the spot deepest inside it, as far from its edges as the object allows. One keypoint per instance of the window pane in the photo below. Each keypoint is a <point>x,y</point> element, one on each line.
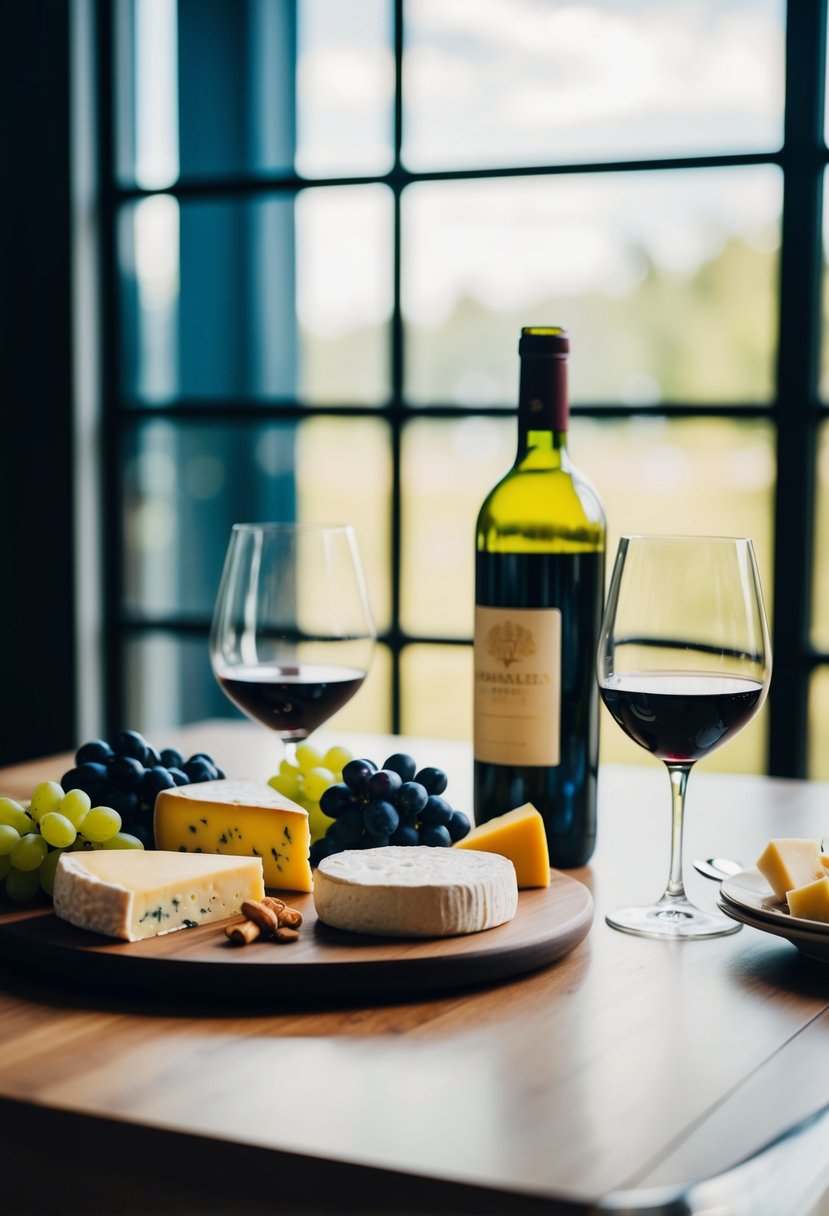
<point>820,567</point>
<point>685,476</point>
<point>818,761</point>
<point>511,82</point>
<point>666,281</point>
<point>211,88</point>
<point>170,682</point>
<point>185,486</point>
<point>211,292</point>
<point>436,692</point>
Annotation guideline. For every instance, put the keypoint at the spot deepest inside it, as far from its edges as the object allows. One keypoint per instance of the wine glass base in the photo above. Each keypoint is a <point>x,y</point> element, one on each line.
<point>671,919</point>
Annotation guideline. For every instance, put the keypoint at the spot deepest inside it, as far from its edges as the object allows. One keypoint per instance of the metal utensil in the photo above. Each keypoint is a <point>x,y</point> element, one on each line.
<point>718,868</point>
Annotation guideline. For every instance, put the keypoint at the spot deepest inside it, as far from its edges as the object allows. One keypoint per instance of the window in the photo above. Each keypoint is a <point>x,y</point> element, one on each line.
<point>325,222</point>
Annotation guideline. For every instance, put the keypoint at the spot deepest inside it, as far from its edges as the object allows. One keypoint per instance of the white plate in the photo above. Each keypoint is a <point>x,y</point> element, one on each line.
<point>748,898</point>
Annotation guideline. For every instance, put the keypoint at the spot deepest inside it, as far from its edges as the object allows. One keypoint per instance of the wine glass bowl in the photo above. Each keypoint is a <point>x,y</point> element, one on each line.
<point>683,663</point>
<point>292,635</point>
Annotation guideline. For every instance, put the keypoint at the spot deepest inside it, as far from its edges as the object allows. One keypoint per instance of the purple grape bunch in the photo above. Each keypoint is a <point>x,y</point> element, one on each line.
<point>397,804</point>
<point>128,775</point>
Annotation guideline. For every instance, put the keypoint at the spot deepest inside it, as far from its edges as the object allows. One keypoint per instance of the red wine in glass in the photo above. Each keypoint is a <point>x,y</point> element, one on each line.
<point>680,716</point>
<point>292,700</point>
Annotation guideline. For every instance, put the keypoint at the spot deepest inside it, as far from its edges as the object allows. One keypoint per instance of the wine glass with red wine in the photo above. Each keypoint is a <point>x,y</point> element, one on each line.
<point>684,662</point>
<point>292,634</point>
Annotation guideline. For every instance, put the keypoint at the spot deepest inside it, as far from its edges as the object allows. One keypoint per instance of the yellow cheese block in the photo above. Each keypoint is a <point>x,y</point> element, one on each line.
<point>518,835</point>
<point>811,901</point>
<point>242,818</point>
<point>787,863</point>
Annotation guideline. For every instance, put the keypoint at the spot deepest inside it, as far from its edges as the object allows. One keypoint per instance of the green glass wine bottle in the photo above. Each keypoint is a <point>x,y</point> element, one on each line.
<point>539,594</point>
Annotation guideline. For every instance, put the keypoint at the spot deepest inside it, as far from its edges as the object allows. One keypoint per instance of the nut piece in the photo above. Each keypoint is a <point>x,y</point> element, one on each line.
<point>261,915</point>
<point>243,934</point>
<point>289,918</point>
<point>285,935</point>
<point>275,905</point>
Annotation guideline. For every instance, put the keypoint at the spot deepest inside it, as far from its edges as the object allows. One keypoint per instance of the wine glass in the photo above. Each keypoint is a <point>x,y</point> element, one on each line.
<point>292,634</point>
<point>683,663</point>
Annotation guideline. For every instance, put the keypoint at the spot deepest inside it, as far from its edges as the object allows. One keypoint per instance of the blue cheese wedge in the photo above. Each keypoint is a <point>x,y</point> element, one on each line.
<point>415,891</point>
<point>133,894</point>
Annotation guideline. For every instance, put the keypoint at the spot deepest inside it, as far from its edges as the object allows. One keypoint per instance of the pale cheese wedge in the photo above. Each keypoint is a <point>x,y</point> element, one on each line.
<point>133,894</point>
<point>810,901</point>
<point>788,863</point>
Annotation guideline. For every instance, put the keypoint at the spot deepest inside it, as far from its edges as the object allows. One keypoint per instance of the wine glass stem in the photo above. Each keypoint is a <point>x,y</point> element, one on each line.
<point>679,781</point>
<point>289,747</point>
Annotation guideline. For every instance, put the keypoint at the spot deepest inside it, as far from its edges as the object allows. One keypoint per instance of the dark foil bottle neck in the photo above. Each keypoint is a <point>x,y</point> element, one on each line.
<point>542,395</point>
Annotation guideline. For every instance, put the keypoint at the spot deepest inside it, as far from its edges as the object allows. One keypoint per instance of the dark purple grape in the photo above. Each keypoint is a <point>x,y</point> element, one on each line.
<point>356,774</point>
<point>322,848</point>
<point>458,826</point>
<point>383,784</point>
<point>130,743</point>
<point>348,829</point>
<point>128,805</point>
<point>199,770</point>
<point>381,819</point>
<point>96,751</point>
<point>179,777</point>
<point>401,764</point>
<point>126,773</point>
<point>437,810</point>
<point>153,758</point>
<point>434,780</point>
<point>208,759</point>
<point>171,757</point>
<point>336,799</point>
<point>411,799</point>
<point>435,835</point>
<point>406,834</point>
<point>90,777</point>
<point>153,782</point>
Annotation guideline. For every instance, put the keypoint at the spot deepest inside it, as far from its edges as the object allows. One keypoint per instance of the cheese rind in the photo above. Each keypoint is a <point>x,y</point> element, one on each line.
<point>135,894</point>
<point>240,818</point>
<point>810,901</point>
<point>415,891</point>
<point>787,863</point>
<point>520,836</point>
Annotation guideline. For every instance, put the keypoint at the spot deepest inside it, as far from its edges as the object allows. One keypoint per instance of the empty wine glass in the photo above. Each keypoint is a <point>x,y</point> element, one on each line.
<point>683,663</point>
<point>292,634</point>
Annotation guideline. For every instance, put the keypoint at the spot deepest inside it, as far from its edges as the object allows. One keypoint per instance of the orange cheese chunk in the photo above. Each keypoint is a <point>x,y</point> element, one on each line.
<point>790,862</point>
<point>241,818</point>
<point>518,835</point>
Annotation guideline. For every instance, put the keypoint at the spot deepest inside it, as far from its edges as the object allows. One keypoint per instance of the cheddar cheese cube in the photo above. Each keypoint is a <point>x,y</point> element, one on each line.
<point>520,836</point>
<point>810,901</point>
<point>787,863</point>
<point>241,818</point>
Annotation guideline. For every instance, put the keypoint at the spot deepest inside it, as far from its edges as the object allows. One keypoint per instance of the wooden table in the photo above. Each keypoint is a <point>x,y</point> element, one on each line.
<point>628,1065</point>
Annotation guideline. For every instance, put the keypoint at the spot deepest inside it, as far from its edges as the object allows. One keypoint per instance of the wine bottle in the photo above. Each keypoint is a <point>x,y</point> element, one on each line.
<point>539,593</point>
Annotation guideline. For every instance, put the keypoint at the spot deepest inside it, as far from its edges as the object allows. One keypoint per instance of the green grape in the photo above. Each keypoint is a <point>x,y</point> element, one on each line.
<point>286,784</point>
<point>122,840</point>
<point>336,758</point>
<point>5,864</point>
<point>47,796</point>
<point>307,757</point>
<point>22,885</point>
<point>29,852</point>
<point>288,769</point>
<point>316,782</point>
<point>57,830</point>
<point>82,845</point>
<point>101,823</point>
<point>74,806</point>
<point>13,814</point>
<point>47,870</point>
<point>9,837</point>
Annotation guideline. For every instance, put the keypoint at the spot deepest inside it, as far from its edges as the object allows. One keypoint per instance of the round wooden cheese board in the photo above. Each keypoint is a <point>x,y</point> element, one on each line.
<point>324,963</point>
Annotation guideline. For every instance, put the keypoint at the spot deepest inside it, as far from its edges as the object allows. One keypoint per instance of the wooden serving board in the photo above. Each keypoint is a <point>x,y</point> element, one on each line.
<point>323,963</point>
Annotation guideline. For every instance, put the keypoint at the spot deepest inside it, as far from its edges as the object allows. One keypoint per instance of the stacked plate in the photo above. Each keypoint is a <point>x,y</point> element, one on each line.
<point>748,898</point>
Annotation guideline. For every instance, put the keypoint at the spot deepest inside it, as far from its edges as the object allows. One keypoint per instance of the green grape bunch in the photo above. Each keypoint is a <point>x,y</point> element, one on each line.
<point>33,837</point>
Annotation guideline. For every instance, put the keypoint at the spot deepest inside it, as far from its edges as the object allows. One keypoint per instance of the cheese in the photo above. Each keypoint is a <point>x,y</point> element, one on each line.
<point>520,836</point>
<point>810,901</point>
<point>241,818</point>
<point>789,863</point>
<point>415,891</point>
<point>135,894</point>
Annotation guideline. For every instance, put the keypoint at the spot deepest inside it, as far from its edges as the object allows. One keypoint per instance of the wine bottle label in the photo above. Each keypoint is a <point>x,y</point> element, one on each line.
<point>517,685</point>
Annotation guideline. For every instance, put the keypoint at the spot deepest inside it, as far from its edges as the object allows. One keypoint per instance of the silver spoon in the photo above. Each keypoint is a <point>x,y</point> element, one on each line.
<point>718,868</point>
